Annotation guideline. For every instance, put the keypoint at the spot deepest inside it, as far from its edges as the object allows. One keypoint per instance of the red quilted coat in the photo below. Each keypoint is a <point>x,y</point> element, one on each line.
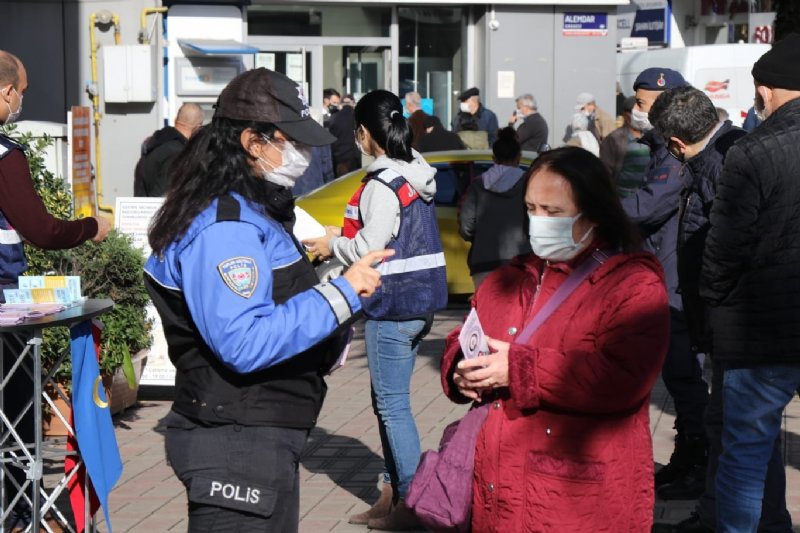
<point>566,446</point>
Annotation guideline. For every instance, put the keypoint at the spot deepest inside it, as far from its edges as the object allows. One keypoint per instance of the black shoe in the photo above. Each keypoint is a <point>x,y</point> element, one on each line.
<point>693,524</point>
<point>690,486</point>
<point>690,451</point>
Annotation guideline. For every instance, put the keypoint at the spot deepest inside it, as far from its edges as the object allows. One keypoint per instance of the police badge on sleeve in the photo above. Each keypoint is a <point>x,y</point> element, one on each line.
<point>240,274</point>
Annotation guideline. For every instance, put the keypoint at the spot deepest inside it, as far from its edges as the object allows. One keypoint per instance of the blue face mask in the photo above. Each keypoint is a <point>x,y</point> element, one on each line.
<point>551,237</point>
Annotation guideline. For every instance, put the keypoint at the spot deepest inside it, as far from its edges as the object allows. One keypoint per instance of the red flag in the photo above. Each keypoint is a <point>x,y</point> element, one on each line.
<point>77,497</point>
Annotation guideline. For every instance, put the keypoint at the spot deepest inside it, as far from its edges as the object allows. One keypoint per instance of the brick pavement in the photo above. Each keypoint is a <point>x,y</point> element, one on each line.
<point>342,459</point>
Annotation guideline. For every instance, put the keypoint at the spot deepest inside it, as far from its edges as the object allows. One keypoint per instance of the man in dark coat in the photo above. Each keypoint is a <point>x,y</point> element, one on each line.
<point>655,209</point>
<point>163,147</point>
<point>416,117</point>
<point>750,279</point>
<point>438,139</point>
<point>687,119</point>
<point>471,105</point>
<point>530,125</point>
<point>346,156</point>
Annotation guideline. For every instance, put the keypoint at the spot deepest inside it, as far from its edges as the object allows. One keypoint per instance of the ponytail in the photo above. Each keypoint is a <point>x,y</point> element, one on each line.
<point>381,113</point>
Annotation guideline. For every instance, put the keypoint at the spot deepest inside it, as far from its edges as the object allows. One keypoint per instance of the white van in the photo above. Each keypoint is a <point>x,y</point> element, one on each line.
<point>722,71</point>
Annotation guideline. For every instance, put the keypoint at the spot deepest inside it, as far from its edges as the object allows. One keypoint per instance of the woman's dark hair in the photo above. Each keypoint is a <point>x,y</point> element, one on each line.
<point>213,163</point>
<point>506,148</point>
<point>592,192</point>
<point>382,114</point>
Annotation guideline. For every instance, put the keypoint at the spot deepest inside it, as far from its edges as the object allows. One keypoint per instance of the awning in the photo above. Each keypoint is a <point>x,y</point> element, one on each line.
<point>215,47</point>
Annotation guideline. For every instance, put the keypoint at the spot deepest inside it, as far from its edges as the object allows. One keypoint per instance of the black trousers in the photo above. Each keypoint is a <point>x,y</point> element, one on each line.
<point>237,478</point>
<point>683,378</point>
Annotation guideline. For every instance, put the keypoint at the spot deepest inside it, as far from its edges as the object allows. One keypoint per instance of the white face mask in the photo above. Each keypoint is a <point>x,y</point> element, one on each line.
<point>359,145</point>
<point>640,120</point>
<point>464,107</point>
<point>13,116</point>
<point>551,237</point>
<point>295,162</point>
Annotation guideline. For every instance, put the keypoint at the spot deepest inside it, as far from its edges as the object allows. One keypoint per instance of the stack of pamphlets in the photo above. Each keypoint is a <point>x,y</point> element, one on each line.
<point>45,290</point>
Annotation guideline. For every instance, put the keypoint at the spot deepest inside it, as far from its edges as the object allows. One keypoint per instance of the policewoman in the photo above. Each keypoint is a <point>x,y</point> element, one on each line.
<point>394,209</point>
<point>251,331</point>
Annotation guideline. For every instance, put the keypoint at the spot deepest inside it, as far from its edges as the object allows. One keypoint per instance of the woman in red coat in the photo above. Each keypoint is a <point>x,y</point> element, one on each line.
<point>566,446</point>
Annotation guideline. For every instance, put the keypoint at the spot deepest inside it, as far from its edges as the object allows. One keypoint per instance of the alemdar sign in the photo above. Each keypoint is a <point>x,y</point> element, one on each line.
<point>585,24</point>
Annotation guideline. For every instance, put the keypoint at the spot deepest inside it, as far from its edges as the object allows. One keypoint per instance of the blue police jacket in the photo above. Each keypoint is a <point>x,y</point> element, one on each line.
<point>246,319</point>
<point>654,208</point>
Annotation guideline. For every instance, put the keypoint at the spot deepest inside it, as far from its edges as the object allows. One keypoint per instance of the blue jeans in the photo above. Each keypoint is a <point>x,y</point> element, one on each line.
<point>774,516</point>
<point>391,351</point>
<point>753,401</point>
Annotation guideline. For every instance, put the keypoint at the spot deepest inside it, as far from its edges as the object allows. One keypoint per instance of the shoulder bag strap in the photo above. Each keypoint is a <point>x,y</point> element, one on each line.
<point>583,271</point>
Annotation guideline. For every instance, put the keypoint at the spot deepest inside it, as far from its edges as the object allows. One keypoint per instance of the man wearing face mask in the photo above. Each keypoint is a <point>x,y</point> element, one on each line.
<point>601,124</point>
<point>749,279</point>
<point>471,107</point>
<point>654,208</point>
<point>331,104</point>
<point>23,217</point>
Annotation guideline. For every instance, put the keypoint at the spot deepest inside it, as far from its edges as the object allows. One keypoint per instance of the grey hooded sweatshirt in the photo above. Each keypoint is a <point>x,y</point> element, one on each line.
<point>380,209</point>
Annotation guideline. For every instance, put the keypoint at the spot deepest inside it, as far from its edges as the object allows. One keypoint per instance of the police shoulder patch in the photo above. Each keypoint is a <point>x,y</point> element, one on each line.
<point>240,274</point>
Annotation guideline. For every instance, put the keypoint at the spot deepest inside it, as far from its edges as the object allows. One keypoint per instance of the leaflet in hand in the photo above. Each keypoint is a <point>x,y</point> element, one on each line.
<point>306,226</point>
<point>472,340</point>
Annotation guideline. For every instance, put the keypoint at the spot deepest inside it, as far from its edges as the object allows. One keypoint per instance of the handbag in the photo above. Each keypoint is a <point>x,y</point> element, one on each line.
<point>440,493</point>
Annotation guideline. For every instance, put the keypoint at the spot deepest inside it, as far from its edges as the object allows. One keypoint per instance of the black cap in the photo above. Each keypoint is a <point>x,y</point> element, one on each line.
<point>659,79</point>
<point>469,93</point>
<point>263,95</point>
<point>779,67</point>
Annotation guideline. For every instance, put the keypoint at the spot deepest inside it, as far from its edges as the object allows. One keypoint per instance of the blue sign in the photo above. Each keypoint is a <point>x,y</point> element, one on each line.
<point>591,24</point>
<point>653,24</point>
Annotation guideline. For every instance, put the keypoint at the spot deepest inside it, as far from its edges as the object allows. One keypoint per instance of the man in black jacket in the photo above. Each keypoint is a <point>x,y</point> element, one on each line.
<point>438,139</point>
<point>750,279</point>
<point>152,172</point>
<point>686,118</point>
<point>530,125</point>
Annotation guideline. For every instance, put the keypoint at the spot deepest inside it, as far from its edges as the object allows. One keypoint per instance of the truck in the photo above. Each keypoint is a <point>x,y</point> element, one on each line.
<point>722,71</point>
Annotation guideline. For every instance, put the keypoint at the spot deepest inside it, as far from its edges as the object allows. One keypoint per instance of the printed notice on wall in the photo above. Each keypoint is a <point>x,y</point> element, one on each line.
<point>132,217</point>
<point>505,84</point>
<point>585,24</point>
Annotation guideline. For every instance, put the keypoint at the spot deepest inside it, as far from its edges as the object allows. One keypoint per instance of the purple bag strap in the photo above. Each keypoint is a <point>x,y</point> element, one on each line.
<point>583,271</point>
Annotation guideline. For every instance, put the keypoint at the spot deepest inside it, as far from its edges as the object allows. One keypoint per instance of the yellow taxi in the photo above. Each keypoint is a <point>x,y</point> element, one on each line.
<point>455,171</point>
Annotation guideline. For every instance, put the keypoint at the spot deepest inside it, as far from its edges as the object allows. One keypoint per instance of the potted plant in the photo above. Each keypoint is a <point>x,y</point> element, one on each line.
<point>110,269</point>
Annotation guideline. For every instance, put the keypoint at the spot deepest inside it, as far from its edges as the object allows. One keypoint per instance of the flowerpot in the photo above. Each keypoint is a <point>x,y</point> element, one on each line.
<point>52,425</point>
<point>120,395</point>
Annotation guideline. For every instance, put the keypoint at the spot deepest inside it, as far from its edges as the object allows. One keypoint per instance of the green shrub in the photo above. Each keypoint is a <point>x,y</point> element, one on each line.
<point>110,269</point>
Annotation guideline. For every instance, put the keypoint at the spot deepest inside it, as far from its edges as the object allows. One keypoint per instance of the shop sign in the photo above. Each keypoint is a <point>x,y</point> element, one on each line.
<point>585,24</point>
<point>651,23</point>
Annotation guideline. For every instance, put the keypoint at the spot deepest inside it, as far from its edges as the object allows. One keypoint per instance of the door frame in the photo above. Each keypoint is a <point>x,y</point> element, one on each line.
<point>314,46</point>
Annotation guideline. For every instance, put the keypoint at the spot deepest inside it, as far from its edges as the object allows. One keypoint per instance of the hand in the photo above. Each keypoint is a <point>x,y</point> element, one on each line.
<point>320,247</point>
<point>103,227</point>
<point>472,376</point>
<point>362,276</point>
<point>513,118</point>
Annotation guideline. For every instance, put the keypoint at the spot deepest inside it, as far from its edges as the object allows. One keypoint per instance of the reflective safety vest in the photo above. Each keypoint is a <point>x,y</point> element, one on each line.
<point>413,280</point>
<point>12,252</point>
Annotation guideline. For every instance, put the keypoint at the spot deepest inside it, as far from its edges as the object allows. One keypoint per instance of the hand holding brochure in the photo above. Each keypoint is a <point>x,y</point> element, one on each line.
<point>472,339</point>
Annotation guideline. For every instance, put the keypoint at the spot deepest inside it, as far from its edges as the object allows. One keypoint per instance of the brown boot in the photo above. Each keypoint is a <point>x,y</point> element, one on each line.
<point>400,518</point>
<point>380,509</point>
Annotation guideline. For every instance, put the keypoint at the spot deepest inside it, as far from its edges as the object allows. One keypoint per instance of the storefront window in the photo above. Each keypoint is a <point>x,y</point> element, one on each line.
<point>431,54</point>
<point>318,21</point>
